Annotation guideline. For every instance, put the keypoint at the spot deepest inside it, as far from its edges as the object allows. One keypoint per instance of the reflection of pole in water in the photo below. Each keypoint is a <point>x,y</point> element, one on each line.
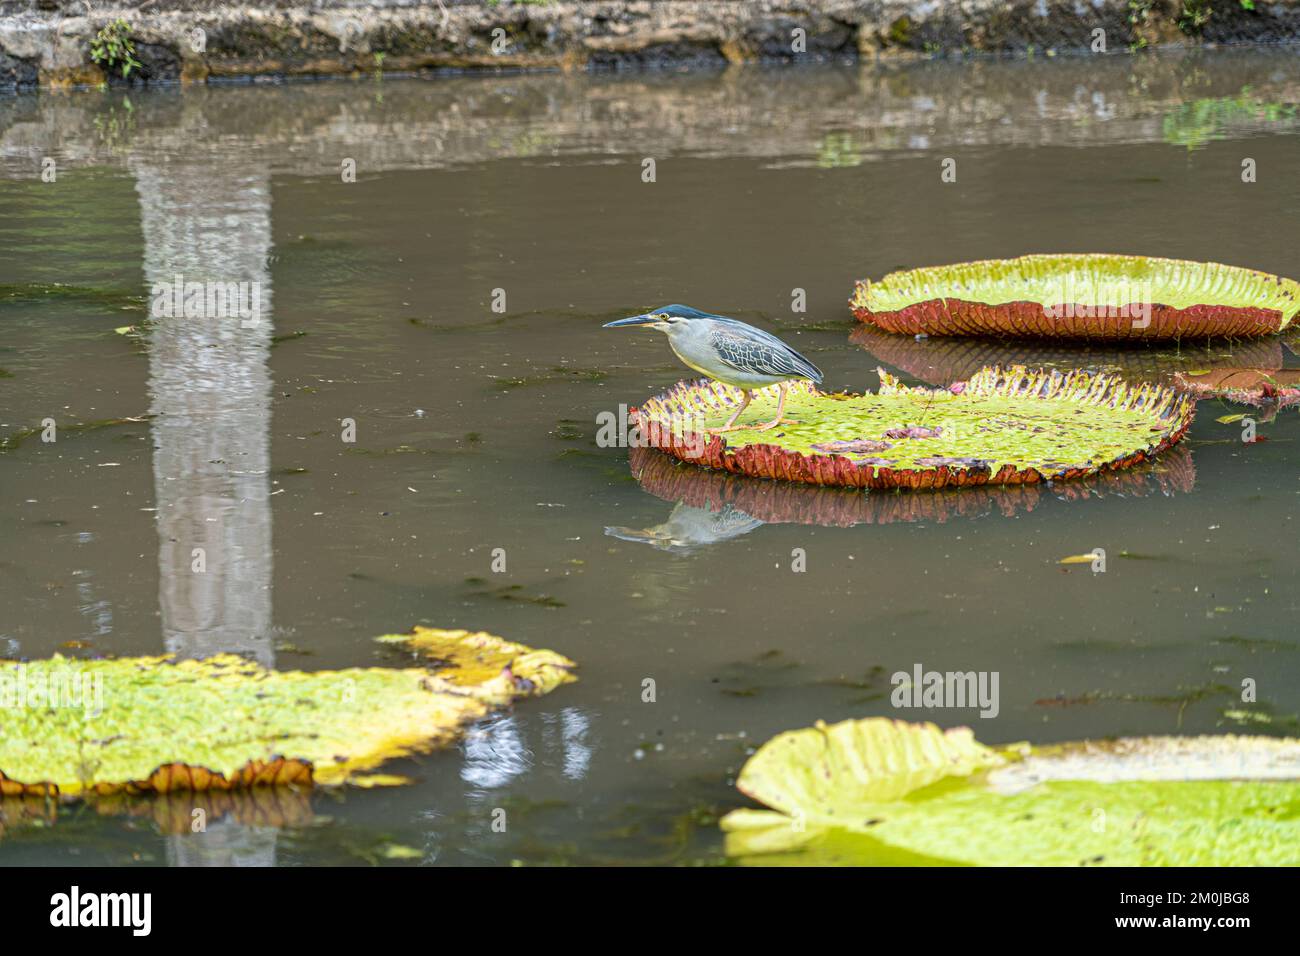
<point>498,751</point>
<point>210,223</point>
<point>210,387</point>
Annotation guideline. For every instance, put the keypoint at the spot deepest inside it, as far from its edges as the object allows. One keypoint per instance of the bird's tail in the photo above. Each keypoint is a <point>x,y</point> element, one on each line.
<point>813,372</point>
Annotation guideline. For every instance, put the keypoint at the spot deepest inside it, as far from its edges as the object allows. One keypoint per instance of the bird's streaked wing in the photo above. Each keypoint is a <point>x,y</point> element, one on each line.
<point>754,350</point>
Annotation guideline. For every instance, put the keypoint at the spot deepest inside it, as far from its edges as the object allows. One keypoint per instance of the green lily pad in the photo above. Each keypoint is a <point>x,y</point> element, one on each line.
<point>877,790</point>
<point>156,724</point>
<point>1004,426</point>
<point>1080,296</point>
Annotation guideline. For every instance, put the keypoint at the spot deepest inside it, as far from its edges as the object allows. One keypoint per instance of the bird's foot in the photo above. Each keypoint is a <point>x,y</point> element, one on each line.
<point>774,423</point>
<point>723,429</point>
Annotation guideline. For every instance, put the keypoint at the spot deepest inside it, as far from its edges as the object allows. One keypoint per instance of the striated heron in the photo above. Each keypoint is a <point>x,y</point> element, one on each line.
<point>730,352</point>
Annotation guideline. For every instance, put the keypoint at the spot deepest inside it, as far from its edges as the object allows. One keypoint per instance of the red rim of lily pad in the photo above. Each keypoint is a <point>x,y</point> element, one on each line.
<point>1170,412</point>
<point>1083,296</point>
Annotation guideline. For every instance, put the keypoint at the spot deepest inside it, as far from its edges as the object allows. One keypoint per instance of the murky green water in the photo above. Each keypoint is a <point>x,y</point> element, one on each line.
<point>476,430</point>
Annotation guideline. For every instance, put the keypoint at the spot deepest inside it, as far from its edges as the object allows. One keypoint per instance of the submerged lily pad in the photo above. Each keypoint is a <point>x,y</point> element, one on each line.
<point>158,724</point>
<point>1080,296</point>
<point>1004,426</point>
<point>870,790</point>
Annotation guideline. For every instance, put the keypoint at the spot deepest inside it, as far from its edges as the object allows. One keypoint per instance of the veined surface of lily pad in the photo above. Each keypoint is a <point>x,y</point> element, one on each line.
<point>1080,296</point>
<point>1004,426</point>
<point>156,724</point>
<point>879,790</point>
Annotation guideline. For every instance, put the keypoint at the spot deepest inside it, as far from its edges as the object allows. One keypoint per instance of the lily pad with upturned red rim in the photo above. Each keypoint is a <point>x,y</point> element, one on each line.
<point>1085,296</point>
<point>1007,426</point>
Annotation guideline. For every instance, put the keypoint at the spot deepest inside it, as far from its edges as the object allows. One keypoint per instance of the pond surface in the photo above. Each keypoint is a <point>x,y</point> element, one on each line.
<point>476,429</point>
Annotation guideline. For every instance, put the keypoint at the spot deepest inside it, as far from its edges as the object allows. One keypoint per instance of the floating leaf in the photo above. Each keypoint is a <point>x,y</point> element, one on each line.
<point>476,659</point>
<point>877,790</point>
<point>1007,426</point>
<point>368,781</point>
<point>1078,559</point>
<point>160,724</point>
<point>1229,419</point>
<point>829,772</point>
<point>1080,296</point>
<point>395,851</point>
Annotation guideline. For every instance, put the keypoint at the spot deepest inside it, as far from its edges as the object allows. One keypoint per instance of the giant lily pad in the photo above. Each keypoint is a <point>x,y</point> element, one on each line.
<point>1080,296</point>
<point>1004,426</point>
<point>157,724</point>
<point>879,790</point>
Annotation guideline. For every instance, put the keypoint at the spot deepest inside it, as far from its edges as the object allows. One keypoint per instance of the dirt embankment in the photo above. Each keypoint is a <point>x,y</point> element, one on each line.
<point>59,43</point>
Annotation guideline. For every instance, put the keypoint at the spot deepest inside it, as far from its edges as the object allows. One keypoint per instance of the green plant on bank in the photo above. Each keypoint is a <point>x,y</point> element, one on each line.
<point>1196,14</point>
<point>900,31</point>
<point>379,64</point>
<point>1139,12</point>
<point>838,151</point>
<point>114,47</point>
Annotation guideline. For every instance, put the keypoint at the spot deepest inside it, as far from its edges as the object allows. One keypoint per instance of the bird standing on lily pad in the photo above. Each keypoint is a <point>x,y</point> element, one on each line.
<point>730,352</point>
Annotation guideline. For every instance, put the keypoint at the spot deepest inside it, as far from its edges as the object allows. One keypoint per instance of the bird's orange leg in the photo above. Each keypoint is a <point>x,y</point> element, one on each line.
<point>731,422</point>
<point>780,414</point>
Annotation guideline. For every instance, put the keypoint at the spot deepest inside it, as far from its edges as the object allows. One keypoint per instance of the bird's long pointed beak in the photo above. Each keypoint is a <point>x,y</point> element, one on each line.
<point>634,320</point>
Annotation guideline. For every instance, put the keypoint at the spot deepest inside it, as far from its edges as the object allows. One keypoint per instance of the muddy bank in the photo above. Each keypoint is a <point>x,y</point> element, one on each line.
<point>50,42</point>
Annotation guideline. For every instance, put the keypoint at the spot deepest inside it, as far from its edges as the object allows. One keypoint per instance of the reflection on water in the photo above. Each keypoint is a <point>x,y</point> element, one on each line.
<point>687,528</point>
<point>942,361</point>
<point>712,506</point>
<point>500,749</point>
<point>819,118</point>
<point>210,387</point>
<point>768,181</point>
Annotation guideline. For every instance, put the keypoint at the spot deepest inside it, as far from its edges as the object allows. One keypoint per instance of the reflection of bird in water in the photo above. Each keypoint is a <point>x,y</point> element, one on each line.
<point>688,528</point>
<point>730,352</point>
